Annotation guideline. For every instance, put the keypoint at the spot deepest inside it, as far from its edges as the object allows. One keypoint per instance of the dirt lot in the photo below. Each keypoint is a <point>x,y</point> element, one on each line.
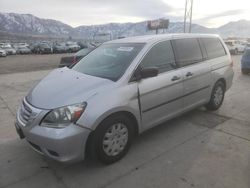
<point>199,149</point>
<point>25,63</point>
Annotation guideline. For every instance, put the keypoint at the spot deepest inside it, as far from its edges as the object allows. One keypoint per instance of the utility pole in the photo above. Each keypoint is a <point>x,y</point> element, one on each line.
<point>188,16</point>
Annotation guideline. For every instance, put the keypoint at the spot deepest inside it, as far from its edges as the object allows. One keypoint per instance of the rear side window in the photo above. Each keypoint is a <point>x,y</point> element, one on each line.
<point>187,51</point>
<point>161,56</point>
<point>213,47</point>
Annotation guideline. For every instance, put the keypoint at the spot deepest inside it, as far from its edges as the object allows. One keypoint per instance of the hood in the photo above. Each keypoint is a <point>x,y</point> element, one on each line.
<point>64,87</point>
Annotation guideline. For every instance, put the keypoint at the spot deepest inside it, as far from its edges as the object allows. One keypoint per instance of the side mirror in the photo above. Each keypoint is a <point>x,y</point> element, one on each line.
<point>149,72</point>
<point>141,73</point>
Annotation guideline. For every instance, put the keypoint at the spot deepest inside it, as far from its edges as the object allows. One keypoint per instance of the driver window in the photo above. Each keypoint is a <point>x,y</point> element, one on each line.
<point>161,56</point>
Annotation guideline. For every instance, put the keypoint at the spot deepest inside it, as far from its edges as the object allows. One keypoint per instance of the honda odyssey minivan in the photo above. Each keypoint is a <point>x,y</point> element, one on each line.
<point>121,89</point>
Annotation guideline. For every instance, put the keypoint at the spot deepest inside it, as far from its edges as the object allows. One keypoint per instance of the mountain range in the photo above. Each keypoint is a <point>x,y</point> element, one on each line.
<point>27,24</point>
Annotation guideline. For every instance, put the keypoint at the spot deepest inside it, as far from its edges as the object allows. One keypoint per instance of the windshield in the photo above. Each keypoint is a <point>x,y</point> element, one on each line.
<point>109,60</point>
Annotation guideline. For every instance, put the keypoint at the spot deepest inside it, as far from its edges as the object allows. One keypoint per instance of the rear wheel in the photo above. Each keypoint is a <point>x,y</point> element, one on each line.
<point>217,96</point>
<point>244,71</point>
<point>112,139</point>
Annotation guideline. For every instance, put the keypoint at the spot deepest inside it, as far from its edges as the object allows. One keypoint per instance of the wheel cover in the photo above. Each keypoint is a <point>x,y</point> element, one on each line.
<point>115,139</point>
<point>218,96</point>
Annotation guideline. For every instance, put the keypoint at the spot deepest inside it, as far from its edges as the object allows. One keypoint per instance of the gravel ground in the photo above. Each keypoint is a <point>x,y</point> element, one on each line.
<point>27,63</point>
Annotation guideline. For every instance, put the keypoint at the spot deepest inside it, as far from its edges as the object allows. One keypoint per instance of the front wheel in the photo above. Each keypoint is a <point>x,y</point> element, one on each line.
<point>217,96</point>
<point>112,139</point>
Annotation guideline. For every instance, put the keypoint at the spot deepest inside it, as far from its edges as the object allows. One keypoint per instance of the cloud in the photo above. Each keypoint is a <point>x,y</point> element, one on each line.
<point>142,8</point>
<point>223,14</point>
<point>78,12</point>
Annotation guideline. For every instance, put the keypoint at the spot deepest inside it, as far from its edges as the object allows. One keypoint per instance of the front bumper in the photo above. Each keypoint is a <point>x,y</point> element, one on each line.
<point>64,145</point>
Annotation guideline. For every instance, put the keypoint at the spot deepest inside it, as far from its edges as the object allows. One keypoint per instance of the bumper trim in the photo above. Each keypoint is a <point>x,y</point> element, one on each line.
<point>19,131</point>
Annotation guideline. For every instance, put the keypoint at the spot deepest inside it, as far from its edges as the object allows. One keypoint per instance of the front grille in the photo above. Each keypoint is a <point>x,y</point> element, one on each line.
<point>25,113</point>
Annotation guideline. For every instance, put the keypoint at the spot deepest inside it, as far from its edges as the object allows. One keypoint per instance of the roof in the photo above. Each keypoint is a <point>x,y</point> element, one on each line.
<point>159,37</point>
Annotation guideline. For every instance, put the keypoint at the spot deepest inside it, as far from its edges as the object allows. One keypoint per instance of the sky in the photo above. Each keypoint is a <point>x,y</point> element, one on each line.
<point>209,13</point>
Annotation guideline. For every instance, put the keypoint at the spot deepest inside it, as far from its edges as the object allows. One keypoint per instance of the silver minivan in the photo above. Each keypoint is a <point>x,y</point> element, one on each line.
<point>121,89</point>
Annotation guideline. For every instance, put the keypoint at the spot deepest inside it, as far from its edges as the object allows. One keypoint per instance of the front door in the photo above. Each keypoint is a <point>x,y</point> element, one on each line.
<point>160,96</point>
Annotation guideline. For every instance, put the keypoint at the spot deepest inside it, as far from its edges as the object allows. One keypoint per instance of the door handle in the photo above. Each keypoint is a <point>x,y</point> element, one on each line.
<point>189,74</point>
<point>176,78</point>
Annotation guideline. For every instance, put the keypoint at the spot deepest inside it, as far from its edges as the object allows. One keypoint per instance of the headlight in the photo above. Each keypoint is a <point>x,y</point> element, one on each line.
<point>62,117</point>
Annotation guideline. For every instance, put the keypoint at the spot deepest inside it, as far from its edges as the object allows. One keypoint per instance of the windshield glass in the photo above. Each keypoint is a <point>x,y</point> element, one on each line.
<point>109,60</point>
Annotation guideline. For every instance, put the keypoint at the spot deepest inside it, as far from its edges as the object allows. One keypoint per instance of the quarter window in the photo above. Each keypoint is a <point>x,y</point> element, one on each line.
<point>213,47</point>
<point>161,56</point>
<point>187,51</point>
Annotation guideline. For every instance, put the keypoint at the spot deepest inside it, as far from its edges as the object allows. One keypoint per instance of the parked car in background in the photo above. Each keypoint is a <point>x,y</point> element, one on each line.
<point>235,47</point>
<point>82,44</point>
<point>20,44</point>
<point>9,50</point>
<point>32,46</point>
<point>121,89</point>
<point>245,61</point>
<point>71,60</point>
<point>2,53</point>
<point>24,44</point>
<point>247,45</point>
<point>23,50</point>
<point>59,48</point>
<point>5,44</point>
<point>72,46</point>
<point>42,48</point>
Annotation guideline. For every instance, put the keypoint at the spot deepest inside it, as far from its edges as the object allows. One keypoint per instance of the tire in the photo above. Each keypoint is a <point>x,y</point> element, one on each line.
<point>244,71</point>
<point>103,147</point>
<point>217,96</point>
